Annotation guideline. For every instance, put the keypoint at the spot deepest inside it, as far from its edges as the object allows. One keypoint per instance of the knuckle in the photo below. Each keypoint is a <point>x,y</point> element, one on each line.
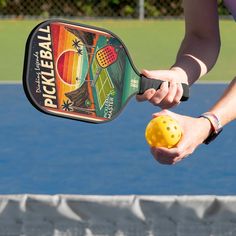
<point>154,101</point>
<point>176,101</point>
<point>168,99</point>
<point>173,84</point>
<point>180,87</point>
<point>164,90</point>
<point>148,94</point>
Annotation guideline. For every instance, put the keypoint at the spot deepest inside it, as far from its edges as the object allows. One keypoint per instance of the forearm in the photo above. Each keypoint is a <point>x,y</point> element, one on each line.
<point>197,56</point>
<point>200,47</point>
<point>225,107</point>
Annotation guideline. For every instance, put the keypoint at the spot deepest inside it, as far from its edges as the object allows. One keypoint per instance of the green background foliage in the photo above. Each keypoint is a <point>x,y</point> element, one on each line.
<point>93,8</point>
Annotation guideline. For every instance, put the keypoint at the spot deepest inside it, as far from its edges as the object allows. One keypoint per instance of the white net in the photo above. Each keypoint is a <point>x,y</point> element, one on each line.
<point>75,215</point>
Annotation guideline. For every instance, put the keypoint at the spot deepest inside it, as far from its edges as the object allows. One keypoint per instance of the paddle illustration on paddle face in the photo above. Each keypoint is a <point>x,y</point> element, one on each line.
<point>81,72</point>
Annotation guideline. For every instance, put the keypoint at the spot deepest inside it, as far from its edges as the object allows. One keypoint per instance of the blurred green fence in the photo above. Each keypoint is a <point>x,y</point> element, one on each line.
<point>94,8</point>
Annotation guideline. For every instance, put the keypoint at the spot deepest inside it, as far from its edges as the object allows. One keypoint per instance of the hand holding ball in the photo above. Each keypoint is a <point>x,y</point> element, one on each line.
<point>163,131</point>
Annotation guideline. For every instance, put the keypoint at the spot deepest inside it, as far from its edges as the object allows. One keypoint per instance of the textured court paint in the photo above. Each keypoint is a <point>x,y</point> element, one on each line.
<point>43,154</point>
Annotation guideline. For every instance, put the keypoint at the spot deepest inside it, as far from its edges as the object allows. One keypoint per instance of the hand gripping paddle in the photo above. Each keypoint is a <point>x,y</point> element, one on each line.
<point>81,72</point>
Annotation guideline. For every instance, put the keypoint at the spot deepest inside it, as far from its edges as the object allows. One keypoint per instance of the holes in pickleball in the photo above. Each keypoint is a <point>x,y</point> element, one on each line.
<point>172,136</point>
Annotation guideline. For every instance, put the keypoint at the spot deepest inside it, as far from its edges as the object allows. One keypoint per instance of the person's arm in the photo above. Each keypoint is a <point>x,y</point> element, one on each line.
<point>225,107</point>
<point>196,130</point>
<point>197,54</point>
<point>200,47</point>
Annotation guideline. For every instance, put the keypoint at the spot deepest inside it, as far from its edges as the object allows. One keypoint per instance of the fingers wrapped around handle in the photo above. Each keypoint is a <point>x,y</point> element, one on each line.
<point>147,83</point>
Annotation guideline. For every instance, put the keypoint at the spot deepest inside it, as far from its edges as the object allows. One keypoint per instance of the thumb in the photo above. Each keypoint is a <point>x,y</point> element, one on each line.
<point>156,74</point>
<point>162,112</point>
<point>146,73</point>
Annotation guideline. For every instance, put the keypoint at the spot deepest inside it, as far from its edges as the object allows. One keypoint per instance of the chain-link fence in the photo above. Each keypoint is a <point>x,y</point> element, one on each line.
<point>94,8</point>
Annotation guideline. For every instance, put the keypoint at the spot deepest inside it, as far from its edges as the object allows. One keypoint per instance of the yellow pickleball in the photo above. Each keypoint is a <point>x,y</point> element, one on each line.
<point>163,131</point>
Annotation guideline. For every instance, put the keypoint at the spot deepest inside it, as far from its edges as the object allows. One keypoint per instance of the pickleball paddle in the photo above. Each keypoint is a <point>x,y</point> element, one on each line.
<point>81,72</point>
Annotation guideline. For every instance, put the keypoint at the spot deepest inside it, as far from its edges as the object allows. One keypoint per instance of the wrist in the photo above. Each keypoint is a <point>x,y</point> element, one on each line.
<point>202,128</point>
<point>181,74</point>
<point>192,66</point>
<point>206,127</point>
<point>215,126</point>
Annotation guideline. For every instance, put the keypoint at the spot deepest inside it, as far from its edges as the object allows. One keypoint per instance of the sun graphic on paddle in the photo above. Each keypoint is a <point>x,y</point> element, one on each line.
<point>72,67</point>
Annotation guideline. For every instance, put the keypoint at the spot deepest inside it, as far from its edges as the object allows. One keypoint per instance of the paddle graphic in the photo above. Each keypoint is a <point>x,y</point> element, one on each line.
<point>81,72</point>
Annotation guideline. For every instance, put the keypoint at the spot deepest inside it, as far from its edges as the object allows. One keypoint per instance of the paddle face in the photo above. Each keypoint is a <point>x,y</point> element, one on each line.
<point>77,71</point>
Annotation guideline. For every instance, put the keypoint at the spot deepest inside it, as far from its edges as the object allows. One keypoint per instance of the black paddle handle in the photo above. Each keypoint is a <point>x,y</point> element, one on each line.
<point>147,83</point>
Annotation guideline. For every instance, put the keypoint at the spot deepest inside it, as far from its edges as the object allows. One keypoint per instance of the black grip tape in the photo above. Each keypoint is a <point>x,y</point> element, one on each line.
<point>147,83</point>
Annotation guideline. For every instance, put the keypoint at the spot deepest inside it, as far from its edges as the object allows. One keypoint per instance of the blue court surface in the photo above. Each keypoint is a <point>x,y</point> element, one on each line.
<point>43,154</point>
